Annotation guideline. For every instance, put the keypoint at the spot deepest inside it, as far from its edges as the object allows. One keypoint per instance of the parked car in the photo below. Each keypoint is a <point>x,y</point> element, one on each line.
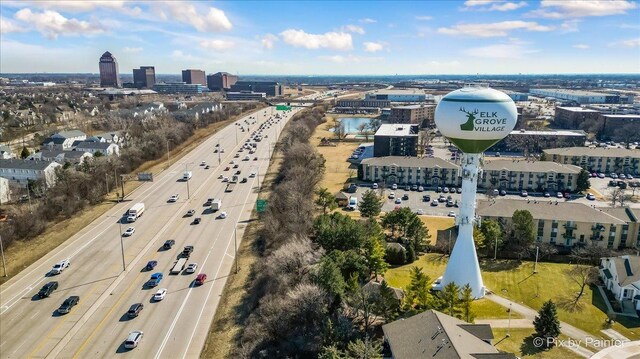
<point>168,244</point>
<point>394,186</point>
<point>68,304</point>
<point>414,187</point>
<point>203,163</point>
<point>495,192</point>
<point>503,193</point>
<point>438,189</point>
<point>567,195</point>
<point>559,195</point>
<point>47,289</point>
<point>191,268</point>
<point>547,194</point>
<point>445,189</point>
<point>601,175</point>
<point>160,294</point>
<point>591,197</point>
<point>426,198</point>
<point>206,167</point>
<point>451,214</point>
<point>200,279</point>
<point>135,310</point>
<point>420,211</point>
<point>374,185</point>
<point>420,188</point>
<point>150,265</point>
<point>407,188</point>
<point>398,201</point>
<point>133,339</point>
<point>459,190</point>
<point>392,195</point>
<point>434,203</point>
<point>524,193</point>
<point>405,197</point>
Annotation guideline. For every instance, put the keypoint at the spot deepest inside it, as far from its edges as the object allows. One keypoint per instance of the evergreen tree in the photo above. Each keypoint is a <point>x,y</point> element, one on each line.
<point>25,152</point>
<point>325,200</point>
<point>479,238</point>
<point>465,304</point>
<point>365,349</point>
<point>523,233</point>
<point>370,205</point>
<point>388,305</point>
<point>449,300</point>
<point>546,323</point>
<point>418,295</point>
<point>583,182</point>
<point>492,235</point>
<point>374,252</point>
<point>329,277</point>
<point>411,254</point>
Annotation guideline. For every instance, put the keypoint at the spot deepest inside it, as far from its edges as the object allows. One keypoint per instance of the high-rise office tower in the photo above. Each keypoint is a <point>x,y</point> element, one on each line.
<point>144,77</point>
<point>221,81</point>
<point>194,77</point>
<point>109,76</point>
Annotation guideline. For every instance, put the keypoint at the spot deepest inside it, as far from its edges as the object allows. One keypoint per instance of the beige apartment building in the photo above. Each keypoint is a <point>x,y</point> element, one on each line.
<point>568,224</point>
<point>597,159</point>
<point>415,114</point>
<point>535,176</point>
<point>427,171</point>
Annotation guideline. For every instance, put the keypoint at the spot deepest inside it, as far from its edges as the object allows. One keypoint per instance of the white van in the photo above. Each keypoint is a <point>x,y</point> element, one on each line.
<point>353,203</point>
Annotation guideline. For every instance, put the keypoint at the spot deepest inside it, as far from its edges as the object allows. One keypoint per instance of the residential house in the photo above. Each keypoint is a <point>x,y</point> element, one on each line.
<point>62,157</point>
<point>565,224</point>
<point>433,334</point>
<point>64,140</point>
<point>107,149</point>
<point>6,153</point>
<point>621,275</point>
<point>21,171</point>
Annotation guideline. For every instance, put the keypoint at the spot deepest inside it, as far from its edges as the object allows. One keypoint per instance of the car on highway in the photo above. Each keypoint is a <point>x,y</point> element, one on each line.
<point>252,175</point>
<point>196,220</point>
<point>451,214</point>
<point>203,163</point>
<point>68,303</point>
<point>207,167</point>
<point>244,180</point>
<point>160,294</point>
<point>168,244</point>
<point>200,279</point>
<point>186,252</point>
<point>133,339</point>
<point>150,265</point>
<point>236,155</point>
<point>173,198</point>
<point>60,266</point>
<point>591,197</point>
<point>135,310</point>
<point>155,279</point>
<point>236,166</point>
<point>226,168</point>
<point>47,289</point>
<point>222,215</point>
<point>209,201</point>
<point>191,268</point>
<point>129,232</point>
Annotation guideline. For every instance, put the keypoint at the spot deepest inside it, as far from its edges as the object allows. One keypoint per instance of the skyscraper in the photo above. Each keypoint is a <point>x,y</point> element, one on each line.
<point>144,77</point>
<point>194,77</point>
<point>109,76</point>
<point>221,81</point>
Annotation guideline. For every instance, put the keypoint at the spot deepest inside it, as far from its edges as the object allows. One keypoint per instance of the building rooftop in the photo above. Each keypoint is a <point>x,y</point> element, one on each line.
<point>398,92</point>
<point>627,268</point>
<point>25,164</point>
<point>573,92</point>
<point>399,161</point>
<point>432,334</point>
<point>530,166</point>
<point>593,152</point>
<point>397,129</point>
<point>577,109</point>
<point>621,116</point>
<point>576,133</point>
<point>123,92</point>
<point>547,210</point>
<point>94,145</point>
<point>412,107</point>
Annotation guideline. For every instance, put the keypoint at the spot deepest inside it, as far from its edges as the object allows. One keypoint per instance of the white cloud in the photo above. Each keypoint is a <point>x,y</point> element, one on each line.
<point>353,29</point>
<point>339,59</point>
<point>216,44</point>
<point>76,6</point>
<point>629,26</point>
<point>268,41</point>
<point>514,50</point>
<point>492,29</point>
<point>570,25</point>
<point>51,24</point>
<point>368,21</point>
<point>424,18</point>
<point>215,19</point>
<point>630,43</point>
<point>132,50</point>
<point>331,40</point>
<point>373,46</point>
<point>496,5</point>
<point>555,9</point>
<point>7,26</point>
<point>581,46</point>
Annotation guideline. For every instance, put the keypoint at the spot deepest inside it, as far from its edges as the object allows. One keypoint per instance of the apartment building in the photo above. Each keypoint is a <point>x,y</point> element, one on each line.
<point>597,159</point>
<point>396,140</point>
<point>426,172</point>
<point>415,114</point>
<point>567,224</point>
<point>20,172</point>
<point>535,176</point>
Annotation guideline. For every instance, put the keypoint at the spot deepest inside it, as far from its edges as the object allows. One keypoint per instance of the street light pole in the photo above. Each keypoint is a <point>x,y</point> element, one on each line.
<point>236,133</point>
<point>235,245</point>
<point>4,266</point>
<point>124,266</point>
<point>168,157</point>
<point>509,325</point>
<point>535,264</point>
<point>219,159</point>
<point>187,180</point>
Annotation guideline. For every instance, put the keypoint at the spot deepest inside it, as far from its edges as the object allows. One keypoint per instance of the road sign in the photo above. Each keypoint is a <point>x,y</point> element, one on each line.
<point>261,205</point>
<point>282,108</point>
<point>145,176</point>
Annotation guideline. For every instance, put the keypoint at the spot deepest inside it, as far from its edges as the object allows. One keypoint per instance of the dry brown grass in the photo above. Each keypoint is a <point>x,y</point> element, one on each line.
<point>337,168</point>
<point>24,253</point>
<point>232,311</point>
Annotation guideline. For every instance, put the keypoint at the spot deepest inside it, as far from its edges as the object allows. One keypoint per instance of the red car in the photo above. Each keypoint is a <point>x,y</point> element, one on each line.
<point>201,278</point>
<point>226,168</point>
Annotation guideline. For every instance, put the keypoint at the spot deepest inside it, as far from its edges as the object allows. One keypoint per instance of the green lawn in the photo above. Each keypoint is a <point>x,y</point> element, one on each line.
<point>516,281</point>
<point>520,342</point>
<point>486,309</point>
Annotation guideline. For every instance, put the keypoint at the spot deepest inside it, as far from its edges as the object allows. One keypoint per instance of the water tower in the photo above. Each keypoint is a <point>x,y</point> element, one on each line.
<point>473,118</point>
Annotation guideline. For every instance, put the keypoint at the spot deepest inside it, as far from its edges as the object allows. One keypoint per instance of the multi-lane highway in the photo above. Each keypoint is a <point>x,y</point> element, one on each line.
<point>175,327</point>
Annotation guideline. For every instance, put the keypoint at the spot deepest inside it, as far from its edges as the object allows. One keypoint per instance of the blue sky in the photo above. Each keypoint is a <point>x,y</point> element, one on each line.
<point>328,37</point>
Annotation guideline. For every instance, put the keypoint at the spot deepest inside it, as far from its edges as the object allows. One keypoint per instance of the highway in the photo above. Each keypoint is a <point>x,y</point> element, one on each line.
<point>175,327</point>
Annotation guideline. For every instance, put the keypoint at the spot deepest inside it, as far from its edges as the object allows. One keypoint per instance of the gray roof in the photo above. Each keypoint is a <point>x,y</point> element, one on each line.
<point>593,152</point>
<point>6,149</point>
<point>572,133</point>
<point>577,109</point>
<point>432,334</point>
<point>530,166</point>
<point>410,91</point>
<point>547,210</point>
<point>55,140</point>
<point>374,287</point>
<point>71,133</point>
<point>627,268</point>
<point>412,107</point>
<point>399,161</point>
<point>26,164</point>
<point>626,214</point>
<point>93,145</point>
<point>397,129</point>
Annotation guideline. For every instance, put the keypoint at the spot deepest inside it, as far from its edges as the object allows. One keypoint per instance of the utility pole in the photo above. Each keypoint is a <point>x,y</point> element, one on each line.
<point>235,245</point>
<point>509,325</point>
<point>219,149</point>
<point>168,157</point>
<point>187,180</point>
<point>495,249</point>
<point>535,264</point>
<point>29,197</point>
<point>106,181</point>
<point>124,266</point>
<point>4,266</point>
<point>122,184</point>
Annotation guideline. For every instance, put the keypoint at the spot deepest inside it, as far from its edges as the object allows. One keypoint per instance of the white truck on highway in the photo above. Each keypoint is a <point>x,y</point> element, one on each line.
<point>216,204</point>
<point>179,266</point>
<point>135,212</point>
<point>186,175</point>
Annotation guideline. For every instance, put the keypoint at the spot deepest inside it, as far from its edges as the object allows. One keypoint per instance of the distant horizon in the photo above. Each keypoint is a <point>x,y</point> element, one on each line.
<point>343,75</point>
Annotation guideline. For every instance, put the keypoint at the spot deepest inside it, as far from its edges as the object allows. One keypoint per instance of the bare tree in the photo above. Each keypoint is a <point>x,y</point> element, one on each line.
<point>582,275</point>
<point>618,196</point>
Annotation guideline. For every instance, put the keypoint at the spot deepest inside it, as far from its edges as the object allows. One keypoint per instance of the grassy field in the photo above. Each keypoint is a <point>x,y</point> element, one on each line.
<point>520,342</point>
<point>338,169</point>
<point>486,309</point>
<point>516,281</point>
<point>23,253</point>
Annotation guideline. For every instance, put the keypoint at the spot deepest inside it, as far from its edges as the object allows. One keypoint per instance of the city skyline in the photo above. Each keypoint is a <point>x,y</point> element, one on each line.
<point>314,38</point>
